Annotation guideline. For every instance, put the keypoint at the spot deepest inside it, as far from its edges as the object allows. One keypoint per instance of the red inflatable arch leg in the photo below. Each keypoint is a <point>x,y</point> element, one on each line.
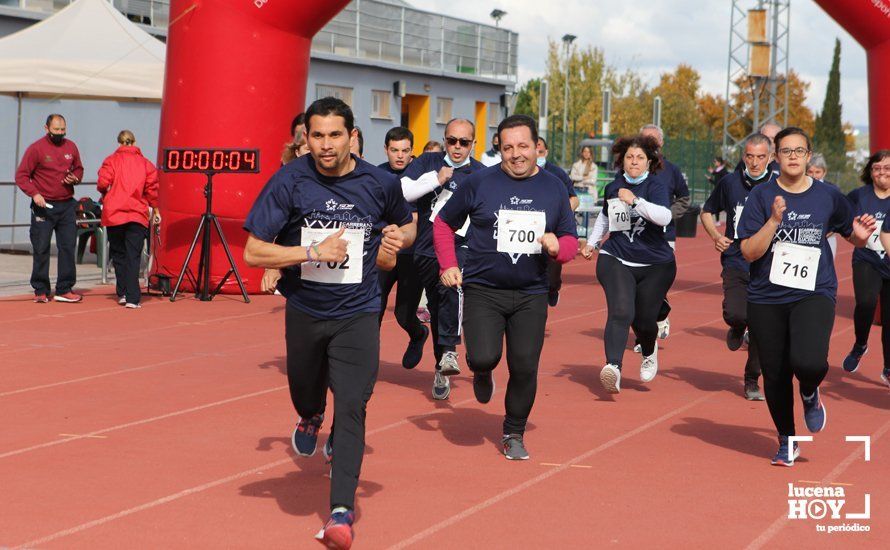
<point>235,77</point>
<point>868,22</point>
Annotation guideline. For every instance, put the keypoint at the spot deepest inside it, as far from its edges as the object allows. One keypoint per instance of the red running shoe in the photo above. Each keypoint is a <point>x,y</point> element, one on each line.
<point>337,532</point>
<point>69,297</point>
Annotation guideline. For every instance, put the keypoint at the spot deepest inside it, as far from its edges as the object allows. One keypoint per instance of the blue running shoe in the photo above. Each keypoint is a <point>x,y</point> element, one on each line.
<point>814,412</point>
<point>785,457</point>
<point>305,435</point>
<point>337,533</point>
<point>851,361</point>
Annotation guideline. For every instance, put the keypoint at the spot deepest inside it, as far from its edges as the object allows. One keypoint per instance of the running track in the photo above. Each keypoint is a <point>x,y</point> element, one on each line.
<point>168,427</point>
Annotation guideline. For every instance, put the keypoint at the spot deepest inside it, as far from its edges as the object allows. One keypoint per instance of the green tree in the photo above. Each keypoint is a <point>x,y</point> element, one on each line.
<point>527,98</point>
<point>829,138</point>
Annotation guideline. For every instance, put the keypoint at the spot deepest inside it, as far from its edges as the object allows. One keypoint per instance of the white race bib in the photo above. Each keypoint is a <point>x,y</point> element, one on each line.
<point>347,272</point>
<point>519,231</point>
<point>794,266</point>
<point>443,197</point>
<point>874,242</point>
<point>619,215</point>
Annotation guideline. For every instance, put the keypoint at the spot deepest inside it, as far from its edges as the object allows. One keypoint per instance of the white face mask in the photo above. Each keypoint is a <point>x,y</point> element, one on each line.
<point>758,178</point>
<point>636,180</point>
<point>450,162</point>
<point>541,161</point>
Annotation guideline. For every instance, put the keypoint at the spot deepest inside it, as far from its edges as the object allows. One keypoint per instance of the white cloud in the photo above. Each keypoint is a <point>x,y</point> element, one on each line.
<point>656,36</point>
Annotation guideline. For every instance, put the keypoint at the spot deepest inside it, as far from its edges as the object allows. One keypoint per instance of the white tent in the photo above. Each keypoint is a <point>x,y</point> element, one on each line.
<point>86,49</point>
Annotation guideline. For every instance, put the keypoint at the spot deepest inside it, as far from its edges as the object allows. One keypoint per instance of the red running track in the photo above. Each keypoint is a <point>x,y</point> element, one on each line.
<point>168,427</point>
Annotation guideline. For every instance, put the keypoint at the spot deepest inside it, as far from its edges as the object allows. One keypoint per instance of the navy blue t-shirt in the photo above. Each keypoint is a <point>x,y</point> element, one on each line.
<point>729,196</point>
<point>482,197</point>
<point>865,201</point>
<point>298,196</point>
<point>675,183</point>
<point>645,242</point>
<point>386,166</point>
<point>809,216</point>
<point>563,177</point>
<point>433,162</point>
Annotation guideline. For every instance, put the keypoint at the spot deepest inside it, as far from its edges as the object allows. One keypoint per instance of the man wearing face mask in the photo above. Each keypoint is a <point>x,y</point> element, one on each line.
<point>730,196</point>
<point>554,269</point>
<point>49,170</point>
<point>429,182</point>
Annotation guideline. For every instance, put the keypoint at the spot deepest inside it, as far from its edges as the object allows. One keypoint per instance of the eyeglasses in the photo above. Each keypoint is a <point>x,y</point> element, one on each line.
<point>878,169</point>
<point>454,141</point>
<point>798,152</point>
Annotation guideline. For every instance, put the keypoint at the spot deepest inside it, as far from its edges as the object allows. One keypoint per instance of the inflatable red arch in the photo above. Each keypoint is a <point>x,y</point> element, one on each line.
<point>236,76</point>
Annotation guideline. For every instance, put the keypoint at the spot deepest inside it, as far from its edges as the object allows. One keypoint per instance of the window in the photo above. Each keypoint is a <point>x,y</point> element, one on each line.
<point>380,104</point>
<point>340,92</point>
<point>443,109</point>
<point>494,114</point>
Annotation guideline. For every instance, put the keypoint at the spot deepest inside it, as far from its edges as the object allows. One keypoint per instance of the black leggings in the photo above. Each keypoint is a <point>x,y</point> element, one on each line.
<point>735,314</point>
<point>125,244</point>
<point>408,294</point>
<point>345,354</point>
<point>490,315</point>
<point>867,286</point>
<point>634,297</point>
<point>444,304</point>
<point>792,341</point>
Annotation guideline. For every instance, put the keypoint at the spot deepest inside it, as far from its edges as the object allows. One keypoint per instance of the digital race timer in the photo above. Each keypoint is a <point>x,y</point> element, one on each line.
<point>211,160</point>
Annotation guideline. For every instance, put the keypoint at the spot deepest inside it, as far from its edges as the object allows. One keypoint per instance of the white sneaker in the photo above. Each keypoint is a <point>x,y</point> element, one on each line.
<point>638,348</point>
<point>664,329</point>
<point>448,365</point>
<point>123,300</point>
<point>649,366</point>
<point>610,378</point>
<point>441,386</point>
<point>132,306</point>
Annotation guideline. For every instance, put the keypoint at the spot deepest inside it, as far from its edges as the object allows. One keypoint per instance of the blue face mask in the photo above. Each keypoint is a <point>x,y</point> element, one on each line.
<point>450,162</point>
<point>541,161</point>
<point>639,179</point>
<point>758,178</point>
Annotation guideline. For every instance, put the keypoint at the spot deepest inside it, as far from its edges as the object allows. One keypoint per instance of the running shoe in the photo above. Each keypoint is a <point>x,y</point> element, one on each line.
<point>747,338</point>
<point>852,360</point>
<point>734,338</point>
<point>328,450</point>
<point>553,298</point>
<point>423,315</point>
<point>638,348</point>
<point>514,448</point>
<point>610,378</point>
<point>41,299</point>
<point>305,436</point>
<point>649,366</point>
<point>414,353</point>
<point>752,391</point>
<point>664,329</point>
<point>441,386</point>
<point>337,533</point>
<point>483,386</point>
<point>885,376</point>
<point>785,456</point>
<point>68,297</point>
<point>448,364</point>
<point>122,300</point>
<point>814,412</point>
<point>132,306</point>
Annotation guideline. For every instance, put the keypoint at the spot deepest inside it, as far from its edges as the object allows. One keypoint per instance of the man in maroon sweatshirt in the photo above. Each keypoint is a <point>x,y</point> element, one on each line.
<point>48,172</point>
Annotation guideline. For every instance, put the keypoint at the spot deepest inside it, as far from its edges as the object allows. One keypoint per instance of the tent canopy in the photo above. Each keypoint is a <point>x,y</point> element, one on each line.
<point>86,49</point>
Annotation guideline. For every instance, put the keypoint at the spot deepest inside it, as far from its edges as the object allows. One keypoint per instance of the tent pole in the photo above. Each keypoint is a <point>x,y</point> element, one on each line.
<point>15,188</point>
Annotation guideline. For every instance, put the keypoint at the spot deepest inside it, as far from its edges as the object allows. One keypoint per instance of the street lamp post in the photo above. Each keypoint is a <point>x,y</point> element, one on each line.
<point>567,40</point>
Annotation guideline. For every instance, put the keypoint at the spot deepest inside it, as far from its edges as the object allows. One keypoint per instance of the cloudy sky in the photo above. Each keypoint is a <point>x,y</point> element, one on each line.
<point>655,36</point>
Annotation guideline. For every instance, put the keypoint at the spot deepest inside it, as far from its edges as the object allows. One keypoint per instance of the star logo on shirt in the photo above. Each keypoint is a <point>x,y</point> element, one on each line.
<point>331,205</point>
<point>514,200</point>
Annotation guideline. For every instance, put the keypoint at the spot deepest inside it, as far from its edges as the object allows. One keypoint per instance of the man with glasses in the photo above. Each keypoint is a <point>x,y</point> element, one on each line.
<point>429,182</point>
<point>730,196</point>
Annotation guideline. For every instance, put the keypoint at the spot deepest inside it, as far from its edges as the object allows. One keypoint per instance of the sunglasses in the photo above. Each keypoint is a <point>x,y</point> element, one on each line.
<point>454,141</point>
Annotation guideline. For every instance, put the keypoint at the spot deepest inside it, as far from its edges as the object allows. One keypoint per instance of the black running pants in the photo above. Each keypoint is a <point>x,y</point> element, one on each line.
<point>867,286</point>
<point>408,293</point>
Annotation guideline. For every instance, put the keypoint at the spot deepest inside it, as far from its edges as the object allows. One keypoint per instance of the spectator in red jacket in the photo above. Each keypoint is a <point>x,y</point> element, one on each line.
<point>129,185</point>
<point>48,172</point>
